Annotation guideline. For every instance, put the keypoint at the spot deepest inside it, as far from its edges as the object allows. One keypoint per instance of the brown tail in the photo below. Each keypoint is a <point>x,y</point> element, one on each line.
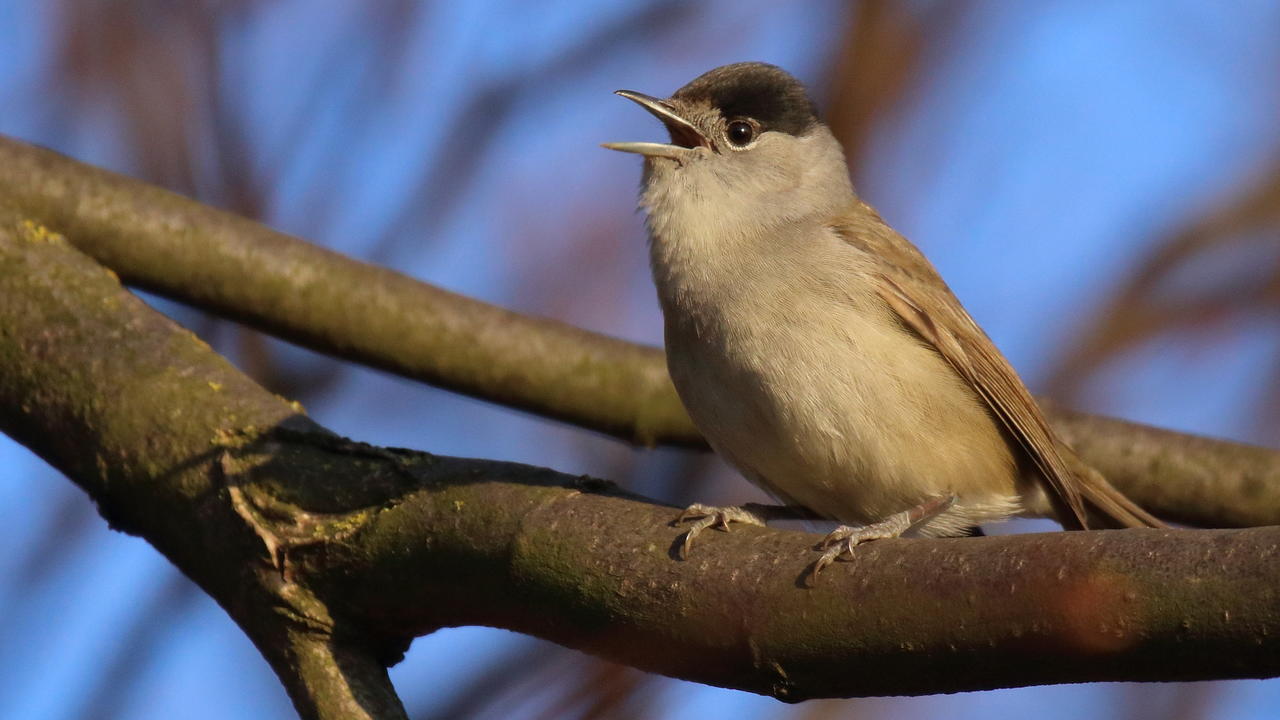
<point>1108,504</point>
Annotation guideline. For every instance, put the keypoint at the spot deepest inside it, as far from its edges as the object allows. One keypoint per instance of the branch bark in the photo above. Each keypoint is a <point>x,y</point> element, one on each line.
<point>319,299</point>
<point>237,268</point>
<point>143,416</point>
<point>331,554</point>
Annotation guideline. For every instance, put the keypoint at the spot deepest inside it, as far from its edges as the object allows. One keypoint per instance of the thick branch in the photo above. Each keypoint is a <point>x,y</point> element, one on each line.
<point>141,414</point>
<point>328,678</point>
<point>332,304</point>
<point>327,551</point>
<point>906,617</point>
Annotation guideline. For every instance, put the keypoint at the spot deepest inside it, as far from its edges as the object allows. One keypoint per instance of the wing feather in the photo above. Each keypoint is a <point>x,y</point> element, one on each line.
<point>912,288</point>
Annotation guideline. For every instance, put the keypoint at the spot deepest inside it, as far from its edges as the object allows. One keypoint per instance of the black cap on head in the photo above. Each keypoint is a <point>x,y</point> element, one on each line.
<point>763,92</point>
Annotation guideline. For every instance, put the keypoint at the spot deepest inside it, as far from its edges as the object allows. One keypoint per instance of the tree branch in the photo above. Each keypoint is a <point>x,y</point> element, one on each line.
<point>1189,479</point>
<point>317,298</point>
<point>142,415</point>
<point>330,554</point>
<point>224,263</point>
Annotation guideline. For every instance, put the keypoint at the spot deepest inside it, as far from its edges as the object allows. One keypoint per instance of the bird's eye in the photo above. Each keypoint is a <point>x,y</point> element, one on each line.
<point>741,132</point>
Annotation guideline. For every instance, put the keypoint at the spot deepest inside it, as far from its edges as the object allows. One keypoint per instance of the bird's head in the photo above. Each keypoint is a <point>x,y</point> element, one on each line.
<point>745,138</point>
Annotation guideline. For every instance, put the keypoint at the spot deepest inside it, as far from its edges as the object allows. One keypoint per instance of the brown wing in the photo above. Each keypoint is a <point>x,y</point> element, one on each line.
<point>914,290</point>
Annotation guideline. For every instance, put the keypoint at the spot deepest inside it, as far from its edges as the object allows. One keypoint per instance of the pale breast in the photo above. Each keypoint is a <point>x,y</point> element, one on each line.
<point>842,411</point>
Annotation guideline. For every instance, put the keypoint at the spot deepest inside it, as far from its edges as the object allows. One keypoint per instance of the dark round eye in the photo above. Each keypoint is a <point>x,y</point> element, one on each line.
<point>741,132</point>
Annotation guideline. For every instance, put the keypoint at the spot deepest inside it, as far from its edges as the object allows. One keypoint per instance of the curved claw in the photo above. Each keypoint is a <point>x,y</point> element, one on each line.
<point>827,558</point>
<point>687,541</point>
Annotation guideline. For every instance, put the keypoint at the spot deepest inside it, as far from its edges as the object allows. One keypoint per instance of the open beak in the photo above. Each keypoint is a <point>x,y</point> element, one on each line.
<point>684,136</point>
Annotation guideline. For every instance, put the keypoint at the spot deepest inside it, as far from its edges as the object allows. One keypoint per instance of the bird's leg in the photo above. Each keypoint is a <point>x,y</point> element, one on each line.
<point>706,516</point>
<point>845,538</point>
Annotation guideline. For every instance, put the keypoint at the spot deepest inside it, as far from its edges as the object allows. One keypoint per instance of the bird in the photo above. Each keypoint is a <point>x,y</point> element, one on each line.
<point>818,351</point>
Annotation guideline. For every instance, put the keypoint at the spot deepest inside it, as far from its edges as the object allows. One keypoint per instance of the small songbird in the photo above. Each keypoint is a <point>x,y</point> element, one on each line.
<point>817,350</point>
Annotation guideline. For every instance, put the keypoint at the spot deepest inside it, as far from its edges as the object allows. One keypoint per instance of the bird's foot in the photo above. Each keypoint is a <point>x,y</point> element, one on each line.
<point>844,539</point>
<point>707,516</point>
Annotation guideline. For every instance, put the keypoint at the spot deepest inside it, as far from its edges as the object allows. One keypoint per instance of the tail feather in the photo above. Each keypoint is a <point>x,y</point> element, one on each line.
<point>1115,509</point>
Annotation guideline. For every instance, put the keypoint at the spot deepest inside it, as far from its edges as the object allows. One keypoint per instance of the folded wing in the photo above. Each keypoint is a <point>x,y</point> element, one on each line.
<point>910,286</point>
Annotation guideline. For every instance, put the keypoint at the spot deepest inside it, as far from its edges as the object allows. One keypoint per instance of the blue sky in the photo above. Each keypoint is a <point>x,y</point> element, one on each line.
<point>1048,148</point>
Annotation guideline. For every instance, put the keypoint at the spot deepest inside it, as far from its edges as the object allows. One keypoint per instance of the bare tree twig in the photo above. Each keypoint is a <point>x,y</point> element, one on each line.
<point>1238,238</point>
<point>879,60</point>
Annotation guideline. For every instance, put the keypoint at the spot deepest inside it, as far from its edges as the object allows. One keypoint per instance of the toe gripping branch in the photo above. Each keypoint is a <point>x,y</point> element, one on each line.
<point>844,539</point>
<point>708,516</point>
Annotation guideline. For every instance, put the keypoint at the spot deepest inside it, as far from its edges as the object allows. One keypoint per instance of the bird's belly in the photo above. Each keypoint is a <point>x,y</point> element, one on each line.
<point>853,419</point>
